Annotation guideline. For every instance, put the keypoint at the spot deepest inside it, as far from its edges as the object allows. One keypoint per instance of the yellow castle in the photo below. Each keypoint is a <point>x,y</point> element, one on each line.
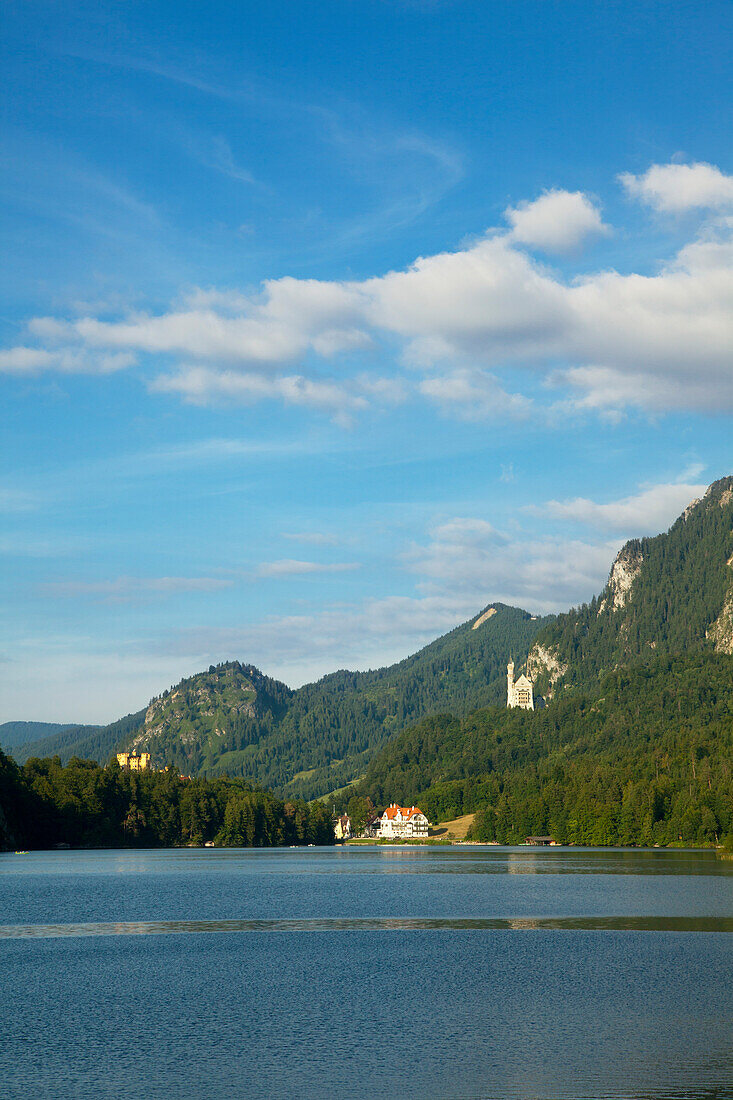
<point>134,762</point>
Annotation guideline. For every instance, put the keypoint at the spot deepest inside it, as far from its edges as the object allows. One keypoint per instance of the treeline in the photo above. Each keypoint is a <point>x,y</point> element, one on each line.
<point>645,759</point>
<point>44,803</point>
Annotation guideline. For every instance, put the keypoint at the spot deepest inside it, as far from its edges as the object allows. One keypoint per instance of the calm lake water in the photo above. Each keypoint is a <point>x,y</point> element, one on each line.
<point>436,973</point>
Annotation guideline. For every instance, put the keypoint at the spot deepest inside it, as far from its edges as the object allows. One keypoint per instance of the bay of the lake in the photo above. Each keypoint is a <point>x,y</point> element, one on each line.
<point>364,972</point>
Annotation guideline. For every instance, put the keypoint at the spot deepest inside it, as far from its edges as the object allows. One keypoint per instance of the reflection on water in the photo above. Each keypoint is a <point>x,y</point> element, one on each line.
<point>366,859</point>
<point>372,924</point>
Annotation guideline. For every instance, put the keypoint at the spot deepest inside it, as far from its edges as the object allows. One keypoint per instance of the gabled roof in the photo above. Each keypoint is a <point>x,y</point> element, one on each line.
<point>405,812</point>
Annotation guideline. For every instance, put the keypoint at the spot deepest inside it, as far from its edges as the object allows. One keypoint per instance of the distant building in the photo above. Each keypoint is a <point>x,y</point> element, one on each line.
<point>518,692</point>
<point>134,762</point>
<point>400,822</point>
<point>541,841</point>
<point>342,828</point>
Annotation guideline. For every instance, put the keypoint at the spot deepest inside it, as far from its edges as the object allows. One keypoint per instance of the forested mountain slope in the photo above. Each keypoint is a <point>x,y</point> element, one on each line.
<point>645,757</point>
<point>668,594</point>
<point>20,733</point>
<point>234,720</point>
<point>86,742</point>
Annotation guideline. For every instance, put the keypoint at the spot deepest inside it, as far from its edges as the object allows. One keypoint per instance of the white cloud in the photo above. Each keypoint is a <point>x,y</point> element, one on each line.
<point>675,188</point>
<point>648,512</point>
<point>203,386</point>
<point>473,394</point>
<point>290,567</point>
<point>558,221</point>
<point>473,562</point>
<point>610,340</point>
<point>25,360</point>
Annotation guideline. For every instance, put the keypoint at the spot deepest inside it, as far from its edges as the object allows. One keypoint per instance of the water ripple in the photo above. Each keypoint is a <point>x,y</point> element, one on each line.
<point>371,924</point>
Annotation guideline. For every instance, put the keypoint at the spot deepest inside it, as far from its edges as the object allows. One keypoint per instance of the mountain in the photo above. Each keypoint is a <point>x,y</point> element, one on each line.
<point>670,594</point>
<point>85,742</point>
<point>22,733</point>
<point>234,720</point>
<point>636,744</point>
<point>642,758</point>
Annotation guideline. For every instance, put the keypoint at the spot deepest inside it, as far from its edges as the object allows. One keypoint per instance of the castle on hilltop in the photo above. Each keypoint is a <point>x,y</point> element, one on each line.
<point>518,692</point>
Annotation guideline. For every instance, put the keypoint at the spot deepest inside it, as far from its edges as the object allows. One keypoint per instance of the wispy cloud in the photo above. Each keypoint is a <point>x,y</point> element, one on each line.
<point>291,567</point>
<point>124,589</point>
<point>315,538</point>
<point>649,511</point>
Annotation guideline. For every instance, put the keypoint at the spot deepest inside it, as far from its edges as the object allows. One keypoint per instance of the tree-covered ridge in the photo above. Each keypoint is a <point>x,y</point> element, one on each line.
<point>13,734</point>
<point>44,803</point>
<point>233,720</point>
<point>645,758</point>
<point>681,580</point>
<point>88,742</point>
<point>217,712</point>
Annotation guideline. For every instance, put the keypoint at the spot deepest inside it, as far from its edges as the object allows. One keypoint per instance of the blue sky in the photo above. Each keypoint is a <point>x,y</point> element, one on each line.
<point>327,324</point>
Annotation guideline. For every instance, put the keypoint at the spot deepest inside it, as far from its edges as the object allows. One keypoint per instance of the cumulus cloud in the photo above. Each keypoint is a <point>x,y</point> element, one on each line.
<point>675,188</point>
<point>609,340</point>
<point>291,567</point>
<point>558,221</point>
<point>647,512</point>
<point>473,394</point>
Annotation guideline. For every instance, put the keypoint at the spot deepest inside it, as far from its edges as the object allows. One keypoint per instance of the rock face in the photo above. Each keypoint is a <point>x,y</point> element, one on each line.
<point>721,631</point>
<point>545,660</point>
<point>625,570</point>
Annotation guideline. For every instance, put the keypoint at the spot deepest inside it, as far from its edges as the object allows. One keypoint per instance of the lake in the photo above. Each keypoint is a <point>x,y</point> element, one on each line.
<point>365,972</point>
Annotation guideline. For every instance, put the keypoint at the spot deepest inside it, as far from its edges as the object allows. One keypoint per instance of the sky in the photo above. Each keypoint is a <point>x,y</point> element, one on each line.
<point>327,323</point>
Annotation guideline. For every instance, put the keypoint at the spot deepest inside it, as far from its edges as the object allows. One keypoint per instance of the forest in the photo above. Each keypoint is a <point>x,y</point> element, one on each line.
<point>646,758</point>
<point>44,803</point>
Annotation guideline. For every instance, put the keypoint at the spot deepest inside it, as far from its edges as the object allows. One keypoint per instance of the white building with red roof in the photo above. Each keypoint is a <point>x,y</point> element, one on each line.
<point>401,822</point>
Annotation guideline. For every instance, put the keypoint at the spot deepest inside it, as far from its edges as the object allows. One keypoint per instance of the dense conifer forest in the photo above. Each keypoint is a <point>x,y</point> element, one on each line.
<point>681,581</point>
<point>44,803</point>
<point>646,758</point>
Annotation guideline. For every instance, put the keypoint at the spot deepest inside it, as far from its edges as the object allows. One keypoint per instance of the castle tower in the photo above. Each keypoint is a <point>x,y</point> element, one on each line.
<point>519,693</point>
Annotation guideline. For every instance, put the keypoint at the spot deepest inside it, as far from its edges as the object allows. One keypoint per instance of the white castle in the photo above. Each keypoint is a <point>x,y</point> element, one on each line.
<point>518,692</point>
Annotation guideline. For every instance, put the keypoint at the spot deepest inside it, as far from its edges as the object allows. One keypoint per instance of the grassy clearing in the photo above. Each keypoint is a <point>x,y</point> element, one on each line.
<point>457,829</point>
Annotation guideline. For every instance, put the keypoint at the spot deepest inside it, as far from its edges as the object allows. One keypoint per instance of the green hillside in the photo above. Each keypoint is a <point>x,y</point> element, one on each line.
<point>668,594</point>
<point>233,720</point>
<point>644,758</point>
<point>86,742</point>
<point>13,734</point>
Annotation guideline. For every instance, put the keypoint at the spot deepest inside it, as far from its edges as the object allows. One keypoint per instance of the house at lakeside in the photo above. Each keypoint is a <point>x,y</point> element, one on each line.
<point>402,822</point>
<point>342,828</point>
<point>134,762</point>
